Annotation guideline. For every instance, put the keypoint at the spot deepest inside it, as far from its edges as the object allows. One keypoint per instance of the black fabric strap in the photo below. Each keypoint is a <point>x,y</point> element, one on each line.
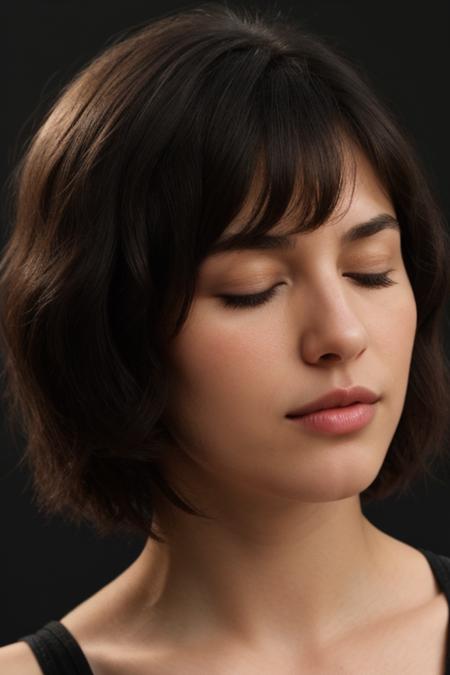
<point>57,651</point>
<point>440,565</point>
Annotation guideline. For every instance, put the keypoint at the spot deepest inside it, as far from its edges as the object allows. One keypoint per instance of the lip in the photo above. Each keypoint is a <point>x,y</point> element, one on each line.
<point>337,398</point>
<point>337,421</point>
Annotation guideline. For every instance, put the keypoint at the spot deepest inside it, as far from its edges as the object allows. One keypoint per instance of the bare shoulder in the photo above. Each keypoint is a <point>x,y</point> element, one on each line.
<point>18,659</point>
<point>109,630</point>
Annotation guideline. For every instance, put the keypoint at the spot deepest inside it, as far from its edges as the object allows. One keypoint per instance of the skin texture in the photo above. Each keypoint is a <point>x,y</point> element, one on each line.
<point>284,502</point>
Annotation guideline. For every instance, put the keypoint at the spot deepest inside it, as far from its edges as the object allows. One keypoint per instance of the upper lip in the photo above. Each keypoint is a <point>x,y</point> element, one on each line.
<point>337,398</point>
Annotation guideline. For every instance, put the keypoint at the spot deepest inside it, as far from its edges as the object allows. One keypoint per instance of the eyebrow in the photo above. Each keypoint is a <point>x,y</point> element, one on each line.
<point>266,242</point>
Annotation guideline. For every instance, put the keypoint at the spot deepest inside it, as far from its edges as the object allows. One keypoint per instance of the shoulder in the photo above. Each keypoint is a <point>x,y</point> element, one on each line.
<point>18,659</point>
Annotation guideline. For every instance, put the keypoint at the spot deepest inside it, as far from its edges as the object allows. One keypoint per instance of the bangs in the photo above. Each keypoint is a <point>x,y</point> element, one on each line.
<point>284,150</point>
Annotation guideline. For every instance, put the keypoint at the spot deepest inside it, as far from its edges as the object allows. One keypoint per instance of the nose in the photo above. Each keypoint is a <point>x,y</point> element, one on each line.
<point>333,330</point>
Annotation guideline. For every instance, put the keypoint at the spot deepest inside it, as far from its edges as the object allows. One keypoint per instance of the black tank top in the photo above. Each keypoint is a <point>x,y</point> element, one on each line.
<point>58,653</point>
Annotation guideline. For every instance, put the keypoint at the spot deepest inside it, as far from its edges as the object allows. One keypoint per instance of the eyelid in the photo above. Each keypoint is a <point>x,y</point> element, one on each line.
<point>363,259</point>
<point>266,286</point>
<point>368,280</point>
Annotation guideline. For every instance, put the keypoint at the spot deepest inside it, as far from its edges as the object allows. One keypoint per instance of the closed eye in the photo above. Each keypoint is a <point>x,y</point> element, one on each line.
<point>379,280</point>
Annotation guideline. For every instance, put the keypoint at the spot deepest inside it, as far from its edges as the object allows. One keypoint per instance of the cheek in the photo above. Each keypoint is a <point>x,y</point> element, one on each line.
<point>394,337</point>
<point>218,368</point>
<point>223,390</point>
<point>395,330</point>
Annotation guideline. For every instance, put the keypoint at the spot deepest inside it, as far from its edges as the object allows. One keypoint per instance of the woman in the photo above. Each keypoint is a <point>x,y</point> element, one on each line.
<point>220,231</point>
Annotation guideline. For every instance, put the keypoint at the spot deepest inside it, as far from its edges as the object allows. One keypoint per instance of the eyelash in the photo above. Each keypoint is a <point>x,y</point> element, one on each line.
<point>380,280</point>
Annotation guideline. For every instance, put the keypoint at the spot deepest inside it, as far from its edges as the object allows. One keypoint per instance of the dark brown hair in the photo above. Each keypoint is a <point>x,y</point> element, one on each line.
<point>138,167</point>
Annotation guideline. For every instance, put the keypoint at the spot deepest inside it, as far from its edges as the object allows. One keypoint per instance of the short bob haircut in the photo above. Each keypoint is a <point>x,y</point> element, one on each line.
<point>142,161</point>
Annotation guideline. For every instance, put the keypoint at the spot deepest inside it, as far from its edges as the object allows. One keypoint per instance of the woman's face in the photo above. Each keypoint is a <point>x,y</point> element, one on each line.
<point>237,372</point>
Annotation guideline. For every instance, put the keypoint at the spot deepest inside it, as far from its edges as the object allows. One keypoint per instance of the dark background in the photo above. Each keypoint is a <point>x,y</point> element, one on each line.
<point>48,566</point>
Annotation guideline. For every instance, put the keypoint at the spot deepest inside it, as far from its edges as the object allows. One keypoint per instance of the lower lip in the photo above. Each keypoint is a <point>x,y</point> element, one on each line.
<point>338,420</point>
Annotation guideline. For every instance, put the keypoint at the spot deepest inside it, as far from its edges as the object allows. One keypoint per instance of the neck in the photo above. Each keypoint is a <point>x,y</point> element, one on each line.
<point>312,570</point>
